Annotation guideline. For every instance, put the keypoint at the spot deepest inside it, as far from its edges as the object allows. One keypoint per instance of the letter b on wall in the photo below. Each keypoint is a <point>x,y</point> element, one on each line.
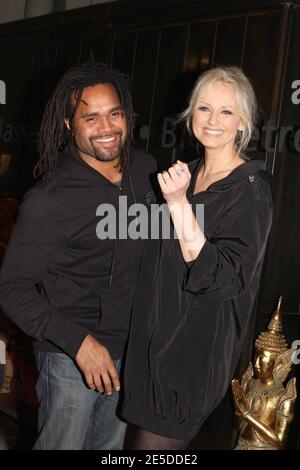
<point>2,92</point>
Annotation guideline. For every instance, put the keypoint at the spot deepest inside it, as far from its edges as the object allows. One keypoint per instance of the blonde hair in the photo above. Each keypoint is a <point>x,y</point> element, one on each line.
<point>244,94</point>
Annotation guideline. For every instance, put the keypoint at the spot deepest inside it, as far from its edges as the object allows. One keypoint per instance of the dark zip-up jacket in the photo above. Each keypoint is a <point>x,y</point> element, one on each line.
<point>87,283</point>
<point>190,319</point>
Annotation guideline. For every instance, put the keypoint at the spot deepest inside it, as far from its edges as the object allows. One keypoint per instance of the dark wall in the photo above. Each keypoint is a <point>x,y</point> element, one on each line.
<point>163,47</point>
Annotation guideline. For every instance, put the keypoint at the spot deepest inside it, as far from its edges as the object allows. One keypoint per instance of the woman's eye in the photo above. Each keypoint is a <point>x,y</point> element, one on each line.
<point>203,108</point>
<point>226,111</point>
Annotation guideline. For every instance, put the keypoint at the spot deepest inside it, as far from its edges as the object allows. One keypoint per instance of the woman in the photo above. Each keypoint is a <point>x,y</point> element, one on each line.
<point>196,293</point>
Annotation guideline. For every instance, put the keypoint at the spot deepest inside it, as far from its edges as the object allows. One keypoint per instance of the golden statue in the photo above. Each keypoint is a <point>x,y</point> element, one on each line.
<point>6,362</point>
<point>263,405</point>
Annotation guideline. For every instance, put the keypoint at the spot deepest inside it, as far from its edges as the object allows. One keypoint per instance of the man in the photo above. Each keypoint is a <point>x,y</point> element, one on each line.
<point>59,282</point>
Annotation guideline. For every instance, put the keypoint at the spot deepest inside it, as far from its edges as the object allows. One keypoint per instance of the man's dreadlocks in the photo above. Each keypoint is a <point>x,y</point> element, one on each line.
<point>54,134</point>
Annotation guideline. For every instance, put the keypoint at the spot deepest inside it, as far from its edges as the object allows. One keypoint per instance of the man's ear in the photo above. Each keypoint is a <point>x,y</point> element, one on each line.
<point>68,124</point>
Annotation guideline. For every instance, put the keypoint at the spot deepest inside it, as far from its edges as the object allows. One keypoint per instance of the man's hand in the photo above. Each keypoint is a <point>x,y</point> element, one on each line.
<point>97,366</point>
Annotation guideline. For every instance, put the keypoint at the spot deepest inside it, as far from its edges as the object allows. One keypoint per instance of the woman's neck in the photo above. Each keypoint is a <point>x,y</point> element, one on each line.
<point>216,162</point>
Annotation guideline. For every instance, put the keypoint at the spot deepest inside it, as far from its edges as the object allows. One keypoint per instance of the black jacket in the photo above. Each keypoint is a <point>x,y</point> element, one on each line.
<point>88,283</point>
<point>190,319</point>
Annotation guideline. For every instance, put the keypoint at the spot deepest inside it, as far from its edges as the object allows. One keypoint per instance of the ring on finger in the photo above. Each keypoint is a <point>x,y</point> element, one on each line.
<point>179,171</point>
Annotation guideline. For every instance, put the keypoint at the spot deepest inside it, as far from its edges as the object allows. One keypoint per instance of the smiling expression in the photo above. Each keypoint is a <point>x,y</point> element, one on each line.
<point>216,119</point>
<point>99,125</point>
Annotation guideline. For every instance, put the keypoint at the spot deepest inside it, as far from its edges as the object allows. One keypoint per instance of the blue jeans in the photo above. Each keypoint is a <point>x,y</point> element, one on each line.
<point>71,416</point>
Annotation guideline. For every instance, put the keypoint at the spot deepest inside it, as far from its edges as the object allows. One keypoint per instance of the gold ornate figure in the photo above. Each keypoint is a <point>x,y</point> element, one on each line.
<point>263,405</point>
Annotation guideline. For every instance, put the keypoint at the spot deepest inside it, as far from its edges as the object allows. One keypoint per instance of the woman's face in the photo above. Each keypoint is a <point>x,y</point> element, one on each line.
<point>216,119</point>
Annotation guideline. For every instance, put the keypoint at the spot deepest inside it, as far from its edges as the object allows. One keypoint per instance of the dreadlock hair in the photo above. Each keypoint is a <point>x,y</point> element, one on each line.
<point>54,135</point>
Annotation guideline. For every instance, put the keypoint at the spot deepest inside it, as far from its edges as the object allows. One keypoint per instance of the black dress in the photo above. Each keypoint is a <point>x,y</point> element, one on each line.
<point>190,319</point>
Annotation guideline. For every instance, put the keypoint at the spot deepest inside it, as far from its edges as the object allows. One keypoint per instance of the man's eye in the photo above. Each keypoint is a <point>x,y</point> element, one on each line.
<point>116,113</point>
<point>90,119</point>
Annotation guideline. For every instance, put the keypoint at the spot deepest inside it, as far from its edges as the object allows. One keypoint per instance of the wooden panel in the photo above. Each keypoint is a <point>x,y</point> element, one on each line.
<point>95,48</point>
<point>143,83</point>
<point>15,62</point>
<point>259,63</point>
<point>201,46</point>
<point>282,267</point>
<point>13,124</point>
<point>229,41</point>
<point>260,57</point>
<point>43,80</point>
<point>42,83</point>
<point>67,55</point>
<point>168,91</point>
<point>124,52</point>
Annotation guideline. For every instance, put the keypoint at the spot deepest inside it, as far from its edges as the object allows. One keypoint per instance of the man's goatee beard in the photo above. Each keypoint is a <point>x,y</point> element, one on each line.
<point>102,157</point>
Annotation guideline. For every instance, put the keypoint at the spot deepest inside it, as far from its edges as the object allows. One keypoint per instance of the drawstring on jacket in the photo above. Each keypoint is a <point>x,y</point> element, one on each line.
<point>112,265</point>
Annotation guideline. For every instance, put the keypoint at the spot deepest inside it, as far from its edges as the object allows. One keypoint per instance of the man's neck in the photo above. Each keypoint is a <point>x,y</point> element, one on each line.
<point>110,170</point>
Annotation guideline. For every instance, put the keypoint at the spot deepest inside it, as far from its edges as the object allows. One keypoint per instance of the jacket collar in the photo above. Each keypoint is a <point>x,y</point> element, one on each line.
<point>73,158</point>
<point>245,171</point>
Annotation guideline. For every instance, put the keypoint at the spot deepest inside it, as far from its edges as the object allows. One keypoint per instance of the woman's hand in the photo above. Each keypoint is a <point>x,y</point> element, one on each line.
<point>175,182</point>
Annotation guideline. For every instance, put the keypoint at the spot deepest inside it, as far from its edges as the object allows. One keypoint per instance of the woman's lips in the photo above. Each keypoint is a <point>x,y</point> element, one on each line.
<point>213,132</point>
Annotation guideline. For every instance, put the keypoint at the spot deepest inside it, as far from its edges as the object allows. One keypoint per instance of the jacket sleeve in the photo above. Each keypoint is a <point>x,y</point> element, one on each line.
<point>37,237</point>
<point>228,260</point>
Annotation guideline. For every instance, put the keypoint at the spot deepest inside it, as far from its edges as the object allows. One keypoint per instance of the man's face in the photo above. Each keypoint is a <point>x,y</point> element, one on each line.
<point>99,125</point>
